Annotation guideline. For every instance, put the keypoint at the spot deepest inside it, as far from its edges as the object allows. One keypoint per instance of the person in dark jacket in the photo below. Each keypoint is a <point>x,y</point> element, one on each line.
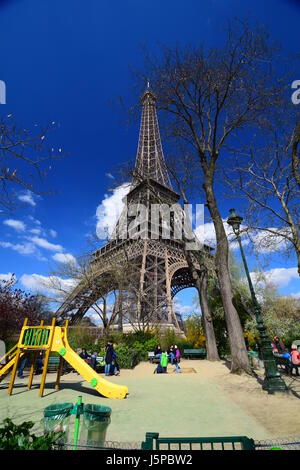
<point>158,351</point>
<point>24,364</point>
<point>108,357</point>
<point>39,363</point>
<point>115,370</point>
<point>84,355</point>
<point>279,345</point>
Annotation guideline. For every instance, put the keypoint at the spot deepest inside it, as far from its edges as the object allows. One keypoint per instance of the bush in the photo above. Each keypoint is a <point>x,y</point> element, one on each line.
<point>18,437</point>
<point>137,337</point>
<point>82,338</point>
<point>127,358</point>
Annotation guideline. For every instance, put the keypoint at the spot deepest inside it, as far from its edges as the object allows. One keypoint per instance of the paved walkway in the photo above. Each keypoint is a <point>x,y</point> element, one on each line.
<point>172,404</point>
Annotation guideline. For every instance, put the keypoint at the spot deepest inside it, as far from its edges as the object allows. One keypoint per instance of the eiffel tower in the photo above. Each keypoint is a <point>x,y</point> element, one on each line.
<point>159,269</point>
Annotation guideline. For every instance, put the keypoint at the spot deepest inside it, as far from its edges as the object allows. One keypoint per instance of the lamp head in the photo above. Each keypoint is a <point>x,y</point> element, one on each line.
<point>234,221</point>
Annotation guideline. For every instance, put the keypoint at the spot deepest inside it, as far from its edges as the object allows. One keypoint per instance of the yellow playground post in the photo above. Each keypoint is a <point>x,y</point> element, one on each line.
<point>54,339</point>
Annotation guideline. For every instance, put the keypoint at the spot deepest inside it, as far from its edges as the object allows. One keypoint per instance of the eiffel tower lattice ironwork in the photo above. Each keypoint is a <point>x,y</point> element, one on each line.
<point>157,268</point>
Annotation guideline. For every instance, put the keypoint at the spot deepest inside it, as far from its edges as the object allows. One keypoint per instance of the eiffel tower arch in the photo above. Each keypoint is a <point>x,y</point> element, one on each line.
<point>155,268</point>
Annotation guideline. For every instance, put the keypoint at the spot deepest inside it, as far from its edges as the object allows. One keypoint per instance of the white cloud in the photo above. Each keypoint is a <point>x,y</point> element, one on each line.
<point>185,310</point>
<point>267,242</point>
<point>27,198</point>
<point>95,318</point>
<point>36,221</point>
<point>15,224</point>
<point>22,248</point>
<point>53,233</point>
<point>64,258</point>
<point>281,277</point>
<point>109,175</point>
<point>47,284</point>
<point>296,295</point>
<point>264,242</point>
<point>43,243</point>
<point>35,231</point>
<point>109,211</point>
<point>206,234</point>
<point>6,277</point>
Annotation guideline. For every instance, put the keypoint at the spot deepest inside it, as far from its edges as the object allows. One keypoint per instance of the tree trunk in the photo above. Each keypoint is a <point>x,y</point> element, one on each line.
<point>120,314</point>
<point>211,344</point>
<point>239,356</point>
<point>201,286</point>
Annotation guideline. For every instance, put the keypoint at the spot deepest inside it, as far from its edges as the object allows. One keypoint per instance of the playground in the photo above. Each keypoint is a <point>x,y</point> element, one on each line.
<point>205,399</point>
<point>210,402</point>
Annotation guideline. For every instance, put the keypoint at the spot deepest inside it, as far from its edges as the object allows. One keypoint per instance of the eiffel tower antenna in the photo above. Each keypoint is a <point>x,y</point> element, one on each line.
<point>150,161</point>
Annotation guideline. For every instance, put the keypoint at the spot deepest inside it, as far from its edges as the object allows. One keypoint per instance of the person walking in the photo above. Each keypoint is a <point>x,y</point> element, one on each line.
<point>108,358</point>
<point>23,364</point>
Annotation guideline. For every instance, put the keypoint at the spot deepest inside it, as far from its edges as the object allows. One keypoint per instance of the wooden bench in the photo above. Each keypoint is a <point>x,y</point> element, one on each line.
<point>194,353</point>
<point>284,362</point>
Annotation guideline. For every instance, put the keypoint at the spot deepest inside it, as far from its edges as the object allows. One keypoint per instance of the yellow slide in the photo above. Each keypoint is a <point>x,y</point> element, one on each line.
<point>104,387</point>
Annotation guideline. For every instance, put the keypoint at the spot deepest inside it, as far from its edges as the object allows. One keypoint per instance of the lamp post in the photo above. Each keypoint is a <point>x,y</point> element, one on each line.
<point>272,381</point>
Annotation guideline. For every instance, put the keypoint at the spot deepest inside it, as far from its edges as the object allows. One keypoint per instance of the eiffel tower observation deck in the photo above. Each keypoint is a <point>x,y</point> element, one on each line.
<point>143,266</point>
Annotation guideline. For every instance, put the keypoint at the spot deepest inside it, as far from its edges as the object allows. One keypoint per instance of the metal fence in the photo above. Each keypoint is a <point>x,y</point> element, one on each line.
<point>287,443</point>
<point>108,445</point>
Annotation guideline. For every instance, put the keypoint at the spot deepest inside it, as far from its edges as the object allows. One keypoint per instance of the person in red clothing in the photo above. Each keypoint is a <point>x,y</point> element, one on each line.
<point>295,358</point>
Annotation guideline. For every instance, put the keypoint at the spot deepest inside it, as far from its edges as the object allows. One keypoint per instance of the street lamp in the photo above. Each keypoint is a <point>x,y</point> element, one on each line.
<point>272,381</point>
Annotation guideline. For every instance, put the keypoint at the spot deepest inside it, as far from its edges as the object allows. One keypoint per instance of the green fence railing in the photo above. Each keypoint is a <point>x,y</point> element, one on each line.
<point>36,336</point>
<point>154,442</point>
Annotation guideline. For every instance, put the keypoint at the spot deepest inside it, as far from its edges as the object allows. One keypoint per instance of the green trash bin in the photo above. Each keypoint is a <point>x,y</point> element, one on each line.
<point>57,419</point>
<point>96,419</point>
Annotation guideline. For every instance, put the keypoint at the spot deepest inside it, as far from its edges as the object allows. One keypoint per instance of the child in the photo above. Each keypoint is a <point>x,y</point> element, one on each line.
<point>116,370</point>
<point>177,359</point>
<point>164,362</point>
<point>93,363</point>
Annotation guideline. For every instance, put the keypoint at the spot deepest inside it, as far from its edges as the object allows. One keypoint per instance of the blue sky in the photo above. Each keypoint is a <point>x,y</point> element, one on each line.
<point>66,61</point>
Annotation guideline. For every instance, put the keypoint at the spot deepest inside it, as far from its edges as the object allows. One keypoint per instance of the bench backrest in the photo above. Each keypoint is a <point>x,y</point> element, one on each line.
<point>194,351</point>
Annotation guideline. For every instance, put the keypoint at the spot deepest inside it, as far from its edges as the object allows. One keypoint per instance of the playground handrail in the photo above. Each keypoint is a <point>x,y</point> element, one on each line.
<point>9,352</point>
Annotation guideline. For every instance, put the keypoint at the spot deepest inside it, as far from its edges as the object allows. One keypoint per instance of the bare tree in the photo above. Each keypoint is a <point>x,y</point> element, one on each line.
<point>183,171</point>
<point>25,159</point>
<point>112,294</point>
<point>296,154</point>
<point>268,177</point>
<point>209,98</point>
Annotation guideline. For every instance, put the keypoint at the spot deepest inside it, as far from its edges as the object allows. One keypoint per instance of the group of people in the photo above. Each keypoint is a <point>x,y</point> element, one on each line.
<point>111,365</point>
<point>293,356</point>
<point>39,364</point>
<point>173,353</point>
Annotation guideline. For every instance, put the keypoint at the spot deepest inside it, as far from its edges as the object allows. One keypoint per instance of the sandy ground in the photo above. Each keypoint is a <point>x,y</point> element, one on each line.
<point>210,402</point>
